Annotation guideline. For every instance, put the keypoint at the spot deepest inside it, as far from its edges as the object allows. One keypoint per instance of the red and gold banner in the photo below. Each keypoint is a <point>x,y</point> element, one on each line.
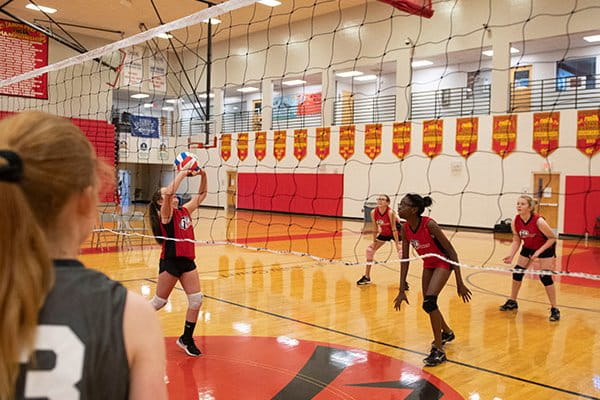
<point>347,133</point>
<point>504,134</point>
<point>467,130</point>
<point>242,146</point>
<point>433,135</point>
<point>323,142</point>
<point>588,131</point>
<point>300,143</point>
<point>545,132</point>
<point>373,140</point>
<point>401,139</point>
<point>260,145</point>
<point>279,145</point>
<point>225,146</point>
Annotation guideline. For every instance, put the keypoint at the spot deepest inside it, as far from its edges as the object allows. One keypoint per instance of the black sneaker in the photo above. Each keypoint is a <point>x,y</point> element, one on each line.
<point>436,357</point>
<point>188,346</point>
<point>363,281</point>
<point>554,314</point>
<point>446,337</point>
<point>509,305</point>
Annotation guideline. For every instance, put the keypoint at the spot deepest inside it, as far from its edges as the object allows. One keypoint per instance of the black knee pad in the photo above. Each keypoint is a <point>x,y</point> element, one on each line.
<point>430,304</point>
<point>518,276</point>
<point>546,280</point>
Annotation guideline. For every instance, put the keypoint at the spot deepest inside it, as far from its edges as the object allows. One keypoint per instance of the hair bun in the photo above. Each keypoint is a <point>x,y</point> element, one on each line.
<point>427,201</point>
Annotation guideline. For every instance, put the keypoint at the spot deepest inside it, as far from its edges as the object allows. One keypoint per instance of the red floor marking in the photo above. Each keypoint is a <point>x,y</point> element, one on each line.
<point>246,367</point>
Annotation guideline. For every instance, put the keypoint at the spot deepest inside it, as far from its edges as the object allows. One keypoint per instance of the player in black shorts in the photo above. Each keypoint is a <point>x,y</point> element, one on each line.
<point>177,256</point>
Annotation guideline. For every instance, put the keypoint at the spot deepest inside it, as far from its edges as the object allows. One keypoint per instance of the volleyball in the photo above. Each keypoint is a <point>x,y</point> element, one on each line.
<point>185,160</point>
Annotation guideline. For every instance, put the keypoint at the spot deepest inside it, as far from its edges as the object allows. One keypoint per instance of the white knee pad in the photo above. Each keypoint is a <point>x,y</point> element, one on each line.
<point>158,303</point>
<point>195,300</point>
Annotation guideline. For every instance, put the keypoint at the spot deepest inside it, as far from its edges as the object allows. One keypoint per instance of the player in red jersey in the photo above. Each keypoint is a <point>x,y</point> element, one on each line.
<point>177,256</point>
<point>426,237</point>
<point>383,231</point>
<point>539,249</point>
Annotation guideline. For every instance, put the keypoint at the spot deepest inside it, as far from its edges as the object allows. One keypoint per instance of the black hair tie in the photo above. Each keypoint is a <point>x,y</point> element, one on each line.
<point>13,171</point>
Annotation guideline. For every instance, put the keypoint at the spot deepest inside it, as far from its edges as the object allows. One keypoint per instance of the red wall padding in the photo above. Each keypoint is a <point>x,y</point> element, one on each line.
<point>582,204</point>
<point>102,136</point>
<point>321,194</point>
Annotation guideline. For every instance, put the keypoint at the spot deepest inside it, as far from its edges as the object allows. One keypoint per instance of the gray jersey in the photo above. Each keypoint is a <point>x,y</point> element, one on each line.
<point>80,350</point>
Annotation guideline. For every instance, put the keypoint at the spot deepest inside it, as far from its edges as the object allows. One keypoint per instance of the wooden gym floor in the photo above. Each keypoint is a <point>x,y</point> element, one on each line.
<point>292,327</point>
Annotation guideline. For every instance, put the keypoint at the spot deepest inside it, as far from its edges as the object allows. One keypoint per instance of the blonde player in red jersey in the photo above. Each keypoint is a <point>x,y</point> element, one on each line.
<point>385,222</point>
<point>539,247</point>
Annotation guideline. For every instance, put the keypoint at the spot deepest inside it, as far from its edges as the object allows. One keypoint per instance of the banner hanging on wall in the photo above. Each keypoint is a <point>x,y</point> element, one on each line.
<point>323,142</point>
<point>300,143</point>
<point>225,146</point>
<point>401,139</point>
<point>545,132</point>
<point>23,49</point>
<point>373,140</point>
<point>504,134</point>
<point>433,135</point>
<point>242,146</point>
<point>588,131</point>
<point>279,145</point>
<point>347,134</point>
<point>260,145</point>
<point>467,130</point>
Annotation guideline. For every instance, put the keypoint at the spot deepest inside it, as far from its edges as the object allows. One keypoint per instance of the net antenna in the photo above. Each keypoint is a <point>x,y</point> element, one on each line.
<point>118,69</point>
<point>422,8</point>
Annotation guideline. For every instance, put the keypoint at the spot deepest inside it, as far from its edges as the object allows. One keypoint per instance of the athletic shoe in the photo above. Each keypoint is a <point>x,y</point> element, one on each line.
<point>446,337</point>
<point>436,357</point>
<point>509,305</point>
<point>554,314</point>
<point>364,280</point>
<point>188,346</point>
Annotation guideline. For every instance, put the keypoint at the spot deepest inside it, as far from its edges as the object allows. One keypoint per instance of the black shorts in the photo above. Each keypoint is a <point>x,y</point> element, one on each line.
<point>548,253</point>
<point>383,238</point>
<point>176,266</point>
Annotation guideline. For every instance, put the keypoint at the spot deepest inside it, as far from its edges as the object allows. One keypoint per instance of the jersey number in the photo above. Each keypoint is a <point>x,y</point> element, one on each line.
<point>58,382</point>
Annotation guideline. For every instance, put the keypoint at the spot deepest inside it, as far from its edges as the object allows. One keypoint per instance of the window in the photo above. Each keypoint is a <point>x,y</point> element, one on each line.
<point>576,74</point>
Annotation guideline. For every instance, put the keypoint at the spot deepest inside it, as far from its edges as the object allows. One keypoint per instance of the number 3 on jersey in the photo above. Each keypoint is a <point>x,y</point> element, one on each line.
<point>57,382</point>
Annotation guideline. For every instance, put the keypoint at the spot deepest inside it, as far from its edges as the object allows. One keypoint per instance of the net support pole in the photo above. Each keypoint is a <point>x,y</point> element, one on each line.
<point>208,81</point>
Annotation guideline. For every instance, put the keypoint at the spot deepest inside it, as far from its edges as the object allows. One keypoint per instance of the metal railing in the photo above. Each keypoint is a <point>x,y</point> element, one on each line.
<point>555,94</point>
<point>453,102</point>
<point>364,110</point>
<point>288,118</point>
<point>243,121</point>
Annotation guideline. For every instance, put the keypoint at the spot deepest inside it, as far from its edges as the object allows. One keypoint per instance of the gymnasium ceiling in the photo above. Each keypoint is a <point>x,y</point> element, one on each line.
<point>125,16</point>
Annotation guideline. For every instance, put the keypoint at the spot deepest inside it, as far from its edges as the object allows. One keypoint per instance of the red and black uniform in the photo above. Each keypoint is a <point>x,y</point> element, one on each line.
<point>178,257</point>
<point>383,222</point>
<point>533,238</point>
<point>424,242</point>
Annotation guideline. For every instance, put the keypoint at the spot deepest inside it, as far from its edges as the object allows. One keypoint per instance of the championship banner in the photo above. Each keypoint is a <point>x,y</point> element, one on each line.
<point>242,146</point>
<point>373,140</point>
<point>300,143</point>
<point>401,139</point>
<point>260,145</point>
<point>433,134</point>
<point>588,131</point>
<point>23,49</point>
<point>545,132</point>
<point>323,143</point>
<point>466,135</point>
<point>347,134</point>
<point>225,146</point>
<point>504,134</point>
<point>279,145</point>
